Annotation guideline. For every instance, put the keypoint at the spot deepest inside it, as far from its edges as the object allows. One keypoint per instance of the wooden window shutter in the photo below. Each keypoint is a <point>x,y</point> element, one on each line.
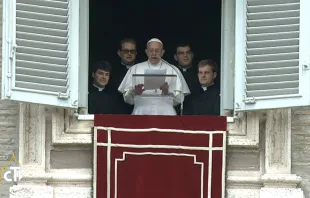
<point>272,54</point>
<point>40,52</point>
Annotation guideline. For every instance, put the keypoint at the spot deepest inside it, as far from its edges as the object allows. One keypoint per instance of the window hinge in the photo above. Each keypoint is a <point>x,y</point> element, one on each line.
<point>8,94</point>
<point>250,100</point>
<point>63,96</point>
<point>305,66</point>
<point>13,50</point>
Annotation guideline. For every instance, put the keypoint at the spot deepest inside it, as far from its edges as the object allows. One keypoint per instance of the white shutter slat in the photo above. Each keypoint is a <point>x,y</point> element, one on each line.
<point>273,91</point>
<point>271,52</point>
<point>39,37</point>
<point>41,66</point>
<point>43,24</point>
<point>46,3</point>
<point>43,31</point>
<point>47,88</point>
<point>41,80</point>
<point>272,43</point>
<point>41,59</point>
<point>272,57</point>
<point>272,29</point>
<point>42,52</point>
<point>272,71</point>
<point>272,78</point>
<point>275,14</point>
<point>272,85</point>
<point>41,17</point>
<point>45,45</point>
<point>43,9</point>
<point>270,36</point>
<point>273,22</point>
<point>274,2</point>
<point>273,64</point>
<point>42,73</point>
<point>45,35</point>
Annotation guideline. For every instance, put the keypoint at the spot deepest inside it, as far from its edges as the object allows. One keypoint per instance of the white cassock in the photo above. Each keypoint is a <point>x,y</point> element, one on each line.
<point>153,102</point>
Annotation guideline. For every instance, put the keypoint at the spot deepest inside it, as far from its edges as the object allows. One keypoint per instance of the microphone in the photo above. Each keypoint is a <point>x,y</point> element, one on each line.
<point>178,74</point>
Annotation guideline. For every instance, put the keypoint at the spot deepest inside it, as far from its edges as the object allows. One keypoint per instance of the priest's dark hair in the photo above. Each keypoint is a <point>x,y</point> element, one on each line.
<point>210,63</point>
<point>102,65</point>
<point>126,40</point>
<point>182,44</point>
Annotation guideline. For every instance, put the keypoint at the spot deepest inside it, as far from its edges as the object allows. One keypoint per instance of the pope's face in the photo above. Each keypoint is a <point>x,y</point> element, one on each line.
<point>154,52</point>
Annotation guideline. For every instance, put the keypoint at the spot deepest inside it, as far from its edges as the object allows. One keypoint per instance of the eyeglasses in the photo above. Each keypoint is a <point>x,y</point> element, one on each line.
<point>125,51</point>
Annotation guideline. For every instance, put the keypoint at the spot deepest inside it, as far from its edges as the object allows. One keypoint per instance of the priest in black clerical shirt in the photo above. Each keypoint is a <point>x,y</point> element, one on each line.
<point>184,58</point>
<point>127,53</point>
<point>205,100</point>
<point>102,98</point>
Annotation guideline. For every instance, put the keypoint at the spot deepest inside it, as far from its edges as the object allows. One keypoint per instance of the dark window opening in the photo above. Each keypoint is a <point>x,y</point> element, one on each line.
<point>171,21</point>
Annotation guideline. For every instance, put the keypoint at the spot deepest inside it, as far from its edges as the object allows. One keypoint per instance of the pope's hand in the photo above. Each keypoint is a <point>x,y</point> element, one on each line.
<point>164,88</point>
<point>139,89</point>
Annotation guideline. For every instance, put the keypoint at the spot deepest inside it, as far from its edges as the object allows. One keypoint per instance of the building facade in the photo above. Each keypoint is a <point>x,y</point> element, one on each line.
<point>268,149</point>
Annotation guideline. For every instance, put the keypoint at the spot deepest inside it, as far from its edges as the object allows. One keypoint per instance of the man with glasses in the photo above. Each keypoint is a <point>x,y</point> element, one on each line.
<point>127,52</point>
<point>158,100</point>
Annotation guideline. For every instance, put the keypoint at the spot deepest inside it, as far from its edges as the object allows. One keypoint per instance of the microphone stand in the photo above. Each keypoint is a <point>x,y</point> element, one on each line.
<point>181,92</point>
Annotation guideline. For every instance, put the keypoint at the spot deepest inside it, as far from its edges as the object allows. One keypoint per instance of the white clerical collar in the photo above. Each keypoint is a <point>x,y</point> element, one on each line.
<point>99,88</point>
<point>127,66</point>
<point>158,64</point>
<point>206,87</point>
<point>184,68</point>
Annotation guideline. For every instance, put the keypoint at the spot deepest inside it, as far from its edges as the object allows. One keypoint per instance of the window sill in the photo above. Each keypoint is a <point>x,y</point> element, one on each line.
<point>242,131</point>
<point>91,117</point>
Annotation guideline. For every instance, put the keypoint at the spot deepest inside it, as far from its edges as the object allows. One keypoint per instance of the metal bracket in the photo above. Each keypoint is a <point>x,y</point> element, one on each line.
<point>13,51</point>
<point>63,96</point>
<point>8,94</point>
<point>75,103</point>
<point>250,100</point>
<point>305,66</point>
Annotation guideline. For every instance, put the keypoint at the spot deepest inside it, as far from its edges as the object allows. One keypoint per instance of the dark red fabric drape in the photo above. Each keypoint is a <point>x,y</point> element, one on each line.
<point>159,164</point>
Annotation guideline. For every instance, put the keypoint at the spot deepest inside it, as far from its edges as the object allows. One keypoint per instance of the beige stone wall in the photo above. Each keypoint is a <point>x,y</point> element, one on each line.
<point>301,146</point>
<point>8,128</point>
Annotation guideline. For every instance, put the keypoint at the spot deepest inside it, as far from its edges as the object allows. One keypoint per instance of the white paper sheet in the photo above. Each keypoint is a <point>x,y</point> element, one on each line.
<point>154,78</point>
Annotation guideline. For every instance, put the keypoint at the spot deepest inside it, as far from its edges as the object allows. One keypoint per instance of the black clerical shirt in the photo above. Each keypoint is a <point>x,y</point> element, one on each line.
<point>119,71</point>
<point>204,101</point>
<point>103,101</point>
<point>190,75</point>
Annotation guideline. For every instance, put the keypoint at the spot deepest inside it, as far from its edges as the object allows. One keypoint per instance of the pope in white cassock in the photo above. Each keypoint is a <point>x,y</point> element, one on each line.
<point>154,87</point>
